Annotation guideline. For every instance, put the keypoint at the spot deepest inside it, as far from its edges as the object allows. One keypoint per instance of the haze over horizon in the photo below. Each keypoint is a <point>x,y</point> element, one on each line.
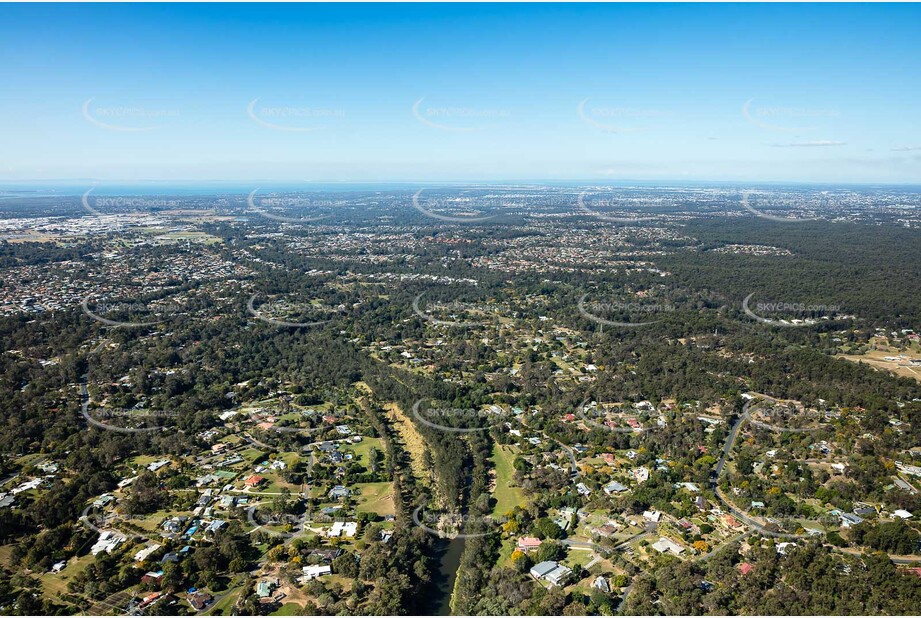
<point>578,93</point>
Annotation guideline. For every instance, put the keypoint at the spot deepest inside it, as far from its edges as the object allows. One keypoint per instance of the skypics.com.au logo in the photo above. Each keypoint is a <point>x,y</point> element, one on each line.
<point>458,420</point>
<point>621,314</point>
<point>611,210</point>
<point>102,206</point>
<point>618,119</point>
<point>450,313</point>
<point>122,420</point>
<point>453,525</point>
<point>128,119</point>
<point>764,215</point>
<point>457,119</point>
<point>131,313</point>
<point>291,119</point>
<point>786,119</point>
<point>266,313</point>
<point>269,207</point>
<point>794,314</point>
<point>469,206</point>
<point>284,525</point>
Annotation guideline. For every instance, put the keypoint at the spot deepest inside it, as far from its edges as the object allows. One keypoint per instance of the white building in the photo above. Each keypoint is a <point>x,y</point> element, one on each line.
<point>108,541</point>
<point>667,545</point>
<point>145,553</point>
<point>341,528</point>
<point>315,571</point>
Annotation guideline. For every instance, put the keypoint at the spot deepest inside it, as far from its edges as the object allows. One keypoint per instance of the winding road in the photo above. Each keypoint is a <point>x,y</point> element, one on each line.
<point>742,515</point>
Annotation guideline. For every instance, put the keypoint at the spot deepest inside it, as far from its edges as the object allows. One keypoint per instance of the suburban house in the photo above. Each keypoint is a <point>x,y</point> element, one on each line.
<point>552,572</point>
<point>265,587</point>
<point>108,541</point>
<point>343,529</point>
<point>527,543</point>
<point>731,522</point>
<point>152,577</point>
<point>145,553</point>
<point>614,488</point>
<point>254,481</point>
<point>667,545</point>
<point>199,600</point>
<point>316,570</point>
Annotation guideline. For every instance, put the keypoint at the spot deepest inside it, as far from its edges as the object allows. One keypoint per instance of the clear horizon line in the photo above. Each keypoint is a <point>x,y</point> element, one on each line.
<point>102,182</point>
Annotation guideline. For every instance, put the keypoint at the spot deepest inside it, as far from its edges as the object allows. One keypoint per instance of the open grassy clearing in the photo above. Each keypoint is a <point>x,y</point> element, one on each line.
<point>412,440</point>
<point>376,498</point>
<point>507,497</point>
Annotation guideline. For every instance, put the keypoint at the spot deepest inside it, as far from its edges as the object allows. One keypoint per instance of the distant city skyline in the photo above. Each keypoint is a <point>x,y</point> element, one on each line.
<point>460,93</point>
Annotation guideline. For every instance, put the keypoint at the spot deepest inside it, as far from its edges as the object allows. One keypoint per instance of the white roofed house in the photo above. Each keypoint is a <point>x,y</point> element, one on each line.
<point>784,548</point>
<point>108,540</point>
<point>653,516</point>
<point>667,545</point>
<point>641,474</point>
<point>153,467</point>
<point>315,570</point>
<point>343,529</point>
<point>145,552</point>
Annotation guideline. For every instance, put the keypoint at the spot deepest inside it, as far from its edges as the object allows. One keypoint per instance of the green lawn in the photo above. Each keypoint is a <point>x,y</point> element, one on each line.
<point>56,583</point>
<point>145,460</point>
<point>225,605</point>
<point>288,609</point>
<point>507,497</point>
<point>376,498</point>
<point>361,450</point>
<point>505,553</point>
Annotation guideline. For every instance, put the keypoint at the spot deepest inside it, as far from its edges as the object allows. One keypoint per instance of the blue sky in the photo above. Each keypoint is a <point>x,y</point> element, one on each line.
<point>810,93</point>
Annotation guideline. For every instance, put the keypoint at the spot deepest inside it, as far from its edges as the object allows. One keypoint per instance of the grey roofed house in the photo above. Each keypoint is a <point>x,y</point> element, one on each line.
<point>601,584</point>
<point>542,568</point>
<point>326,555</point>
<point>558,576</point>
<point>614,487</point>
<point>339,492</point>
<point>848,520</point>
<point>216,525</point>
<point>551,571</point>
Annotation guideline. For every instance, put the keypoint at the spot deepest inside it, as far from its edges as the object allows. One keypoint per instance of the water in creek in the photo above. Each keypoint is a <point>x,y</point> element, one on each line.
<point>439,602</point>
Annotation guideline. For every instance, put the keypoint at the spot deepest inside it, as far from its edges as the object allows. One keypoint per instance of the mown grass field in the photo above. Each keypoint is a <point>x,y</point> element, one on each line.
<point>507,497</point>
<point>376,498</point>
